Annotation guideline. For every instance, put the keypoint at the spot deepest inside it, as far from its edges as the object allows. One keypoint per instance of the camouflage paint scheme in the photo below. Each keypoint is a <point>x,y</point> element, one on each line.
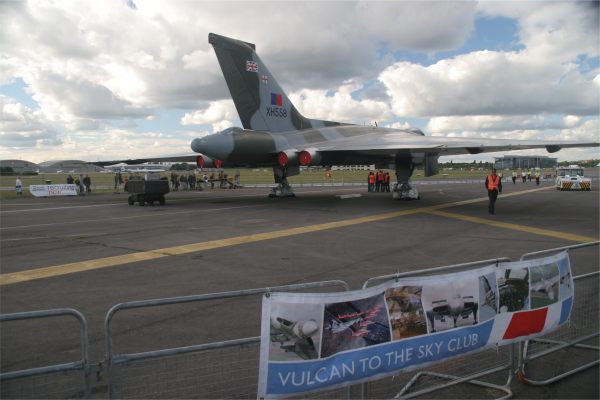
<point>276,135</point>
<point>272,125</point>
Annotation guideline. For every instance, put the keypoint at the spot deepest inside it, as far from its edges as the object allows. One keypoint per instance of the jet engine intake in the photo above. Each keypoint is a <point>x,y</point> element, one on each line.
<point>204,162</point>
<point>309,157</point>
<point>287,157</point>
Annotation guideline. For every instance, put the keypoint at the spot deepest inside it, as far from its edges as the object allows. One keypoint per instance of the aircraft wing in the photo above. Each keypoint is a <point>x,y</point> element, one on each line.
<point>387,142</point>
<point>134,161</point>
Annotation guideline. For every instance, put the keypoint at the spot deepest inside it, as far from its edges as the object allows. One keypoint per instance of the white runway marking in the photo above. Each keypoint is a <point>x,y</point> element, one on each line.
<point>60,208</point>
<point>3,228</point>
<point>15,240</point>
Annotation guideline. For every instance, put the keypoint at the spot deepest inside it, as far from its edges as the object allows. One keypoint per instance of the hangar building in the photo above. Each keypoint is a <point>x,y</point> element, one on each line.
<point>72,166</point>
<point>20,166</point>
<point>519,162</point>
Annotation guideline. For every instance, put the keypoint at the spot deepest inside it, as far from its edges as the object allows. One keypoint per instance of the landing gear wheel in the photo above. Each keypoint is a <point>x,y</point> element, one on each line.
<point>161,201</point>
<point>141,201</point>
<point>130,200</point>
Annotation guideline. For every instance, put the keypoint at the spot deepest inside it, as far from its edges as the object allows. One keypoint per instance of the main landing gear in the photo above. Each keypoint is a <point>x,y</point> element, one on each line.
<point>404,191</point>
<point>283,188</point>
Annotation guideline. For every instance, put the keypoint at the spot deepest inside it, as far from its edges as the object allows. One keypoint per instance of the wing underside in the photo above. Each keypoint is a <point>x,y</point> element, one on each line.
<point>389,144</point>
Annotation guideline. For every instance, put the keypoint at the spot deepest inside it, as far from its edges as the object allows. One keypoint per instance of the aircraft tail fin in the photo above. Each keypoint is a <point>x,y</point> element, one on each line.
<point>260,102</point>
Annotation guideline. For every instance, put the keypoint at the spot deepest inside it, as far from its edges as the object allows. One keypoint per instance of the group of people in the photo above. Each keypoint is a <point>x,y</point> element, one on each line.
<point>193,182</point>
<point>184,182</point>
<point>526,176</point>
<point>378,181</point>
<point>83,183</point>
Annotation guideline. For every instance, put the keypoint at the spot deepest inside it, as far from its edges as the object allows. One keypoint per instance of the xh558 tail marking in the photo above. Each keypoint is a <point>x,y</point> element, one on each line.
<point>275,134</point>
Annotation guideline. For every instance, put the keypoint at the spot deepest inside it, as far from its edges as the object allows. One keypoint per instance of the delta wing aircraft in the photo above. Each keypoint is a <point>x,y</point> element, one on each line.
<point>276,135</point>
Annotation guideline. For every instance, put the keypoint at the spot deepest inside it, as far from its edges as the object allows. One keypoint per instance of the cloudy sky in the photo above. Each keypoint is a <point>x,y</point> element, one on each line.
<point>110,79</point>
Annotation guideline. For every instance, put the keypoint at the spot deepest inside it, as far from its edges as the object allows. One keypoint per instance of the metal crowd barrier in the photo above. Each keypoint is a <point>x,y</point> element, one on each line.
<point>583,327</point>
<point>181,379</point>
<point>82,365</point>
<point>229,368</point>
<point>480,263</point>
<point>451,373</point>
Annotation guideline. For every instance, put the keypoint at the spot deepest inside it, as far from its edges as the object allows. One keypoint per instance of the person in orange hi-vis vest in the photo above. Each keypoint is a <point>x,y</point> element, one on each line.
<point>371,182</point>
<point>493,184</point>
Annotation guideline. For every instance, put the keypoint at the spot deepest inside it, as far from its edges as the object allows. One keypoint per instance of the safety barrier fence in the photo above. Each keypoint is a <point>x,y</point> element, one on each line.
<point>224,369</point>
<point>577,335</point>
<point>447,375</point>
<point>229,368</point>
<point>44,389</point>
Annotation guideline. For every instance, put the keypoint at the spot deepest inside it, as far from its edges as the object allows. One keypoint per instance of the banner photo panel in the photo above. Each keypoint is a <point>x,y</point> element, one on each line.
<point>317,341</point>
<point>354,324</point>
<point>53,190</point>
<point>407,315</point>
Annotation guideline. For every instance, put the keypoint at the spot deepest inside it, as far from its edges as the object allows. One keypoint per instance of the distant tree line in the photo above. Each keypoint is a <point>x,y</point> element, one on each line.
<point>581,163</point>
<point>8,171</point>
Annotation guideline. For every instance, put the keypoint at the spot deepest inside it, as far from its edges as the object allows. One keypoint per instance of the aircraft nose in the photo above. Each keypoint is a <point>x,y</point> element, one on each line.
<point>218,145</point>
<point>197,145</point>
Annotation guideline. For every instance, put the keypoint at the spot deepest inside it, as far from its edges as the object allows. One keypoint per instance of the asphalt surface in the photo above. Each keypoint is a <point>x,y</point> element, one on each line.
<point>226,240</point>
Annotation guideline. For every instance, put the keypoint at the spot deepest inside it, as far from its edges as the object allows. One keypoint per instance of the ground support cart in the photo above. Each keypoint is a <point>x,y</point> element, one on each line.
<point>147,191</point>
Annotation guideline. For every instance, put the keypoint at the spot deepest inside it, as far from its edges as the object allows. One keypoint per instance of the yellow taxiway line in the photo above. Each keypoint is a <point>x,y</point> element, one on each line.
<point>105,262</point>
<point>515,227</point>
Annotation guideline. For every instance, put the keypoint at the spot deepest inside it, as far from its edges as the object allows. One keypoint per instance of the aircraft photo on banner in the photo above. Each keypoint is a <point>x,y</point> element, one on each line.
<point>312,342</point>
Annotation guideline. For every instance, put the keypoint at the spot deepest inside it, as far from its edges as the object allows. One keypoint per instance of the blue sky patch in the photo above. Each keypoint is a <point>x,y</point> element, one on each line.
<point>17,91</point>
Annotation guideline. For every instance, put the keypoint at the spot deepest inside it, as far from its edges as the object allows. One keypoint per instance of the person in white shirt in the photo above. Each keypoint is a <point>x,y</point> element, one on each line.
<point>19,186</point>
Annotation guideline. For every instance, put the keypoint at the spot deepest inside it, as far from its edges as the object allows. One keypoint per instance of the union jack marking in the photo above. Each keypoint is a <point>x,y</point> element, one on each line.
<point>251,66</point>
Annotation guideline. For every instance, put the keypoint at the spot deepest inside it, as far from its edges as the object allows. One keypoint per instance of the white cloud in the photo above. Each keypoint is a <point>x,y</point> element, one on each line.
<point>158,54</point>
<point>220,114</point>
<point>571,120</point>
<point>588,131</point>
<point>544,77</point>
<point>21,127</point>
<point>498,123</point>
<point>428,28</point>
<point>489,83</point>
<point>340,106</point>
<point>399,125</point>
<point>552,30</point>
<point>91,65</point>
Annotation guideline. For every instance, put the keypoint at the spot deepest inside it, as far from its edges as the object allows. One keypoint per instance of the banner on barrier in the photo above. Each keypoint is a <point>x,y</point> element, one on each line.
<point>319,341</point>
<point>53,190</point>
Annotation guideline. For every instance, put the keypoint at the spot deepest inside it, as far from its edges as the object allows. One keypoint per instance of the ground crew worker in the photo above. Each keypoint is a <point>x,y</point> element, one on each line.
<point>537,177</point>
<point>493,184</point>
<point>529,175</point>
<point>371,182</point>
<point>378,181</point>
<point>514,177</point>
<point>524,176</point>
<point>386,181</point>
